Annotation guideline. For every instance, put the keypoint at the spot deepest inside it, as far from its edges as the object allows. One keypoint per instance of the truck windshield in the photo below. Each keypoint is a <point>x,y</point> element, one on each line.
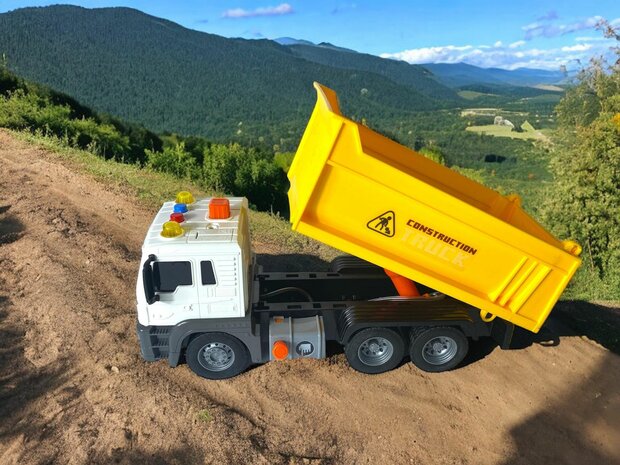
<point>167,276</point>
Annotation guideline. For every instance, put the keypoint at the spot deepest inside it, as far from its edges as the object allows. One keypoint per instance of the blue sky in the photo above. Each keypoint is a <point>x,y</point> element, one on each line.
<point>506,34</point>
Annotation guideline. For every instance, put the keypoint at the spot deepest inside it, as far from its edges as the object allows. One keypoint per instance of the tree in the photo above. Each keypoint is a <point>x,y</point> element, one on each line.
<point>234,169</point>
<point>584,203</point>
<point>434,154</point>
<point>175,160</point>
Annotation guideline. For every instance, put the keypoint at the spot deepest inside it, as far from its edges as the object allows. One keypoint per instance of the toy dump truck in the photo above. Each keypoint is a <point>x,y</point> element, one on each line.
<point>435,259</point>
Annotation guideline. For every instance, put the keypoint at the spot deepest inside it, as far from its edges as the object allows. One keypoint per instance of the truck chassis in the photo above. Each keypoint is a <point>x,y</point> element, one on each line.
<point>354,306</point>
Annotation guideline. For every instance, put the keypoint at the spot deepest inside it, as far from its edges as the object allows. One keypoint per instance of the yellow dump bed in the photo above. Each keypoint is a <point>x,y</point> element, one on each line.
<point>366,195</point>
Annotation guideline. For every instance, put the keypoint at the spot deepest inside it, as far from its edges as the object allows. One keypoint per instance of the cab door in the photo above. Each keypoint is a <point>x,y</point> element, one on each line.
<point>219,287</point>
<point>175,285</point>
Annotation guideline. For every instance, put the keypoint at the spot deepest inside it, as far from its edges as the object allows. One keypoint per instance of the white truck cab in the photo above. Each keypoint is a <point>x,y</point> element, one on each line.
<point>203,270</point>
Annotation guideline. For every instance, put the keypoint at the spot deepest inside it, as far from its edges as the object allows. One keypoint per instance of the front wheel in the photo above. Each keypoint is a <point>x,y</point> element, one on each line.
<point>217,356</point>
<point>437,349</point>
<point>375,350</point>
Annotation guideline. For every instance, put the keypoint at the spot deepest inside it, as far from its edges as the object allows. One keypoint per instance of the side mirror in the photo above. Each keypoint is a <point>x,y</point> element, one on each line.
<point>147,280</point>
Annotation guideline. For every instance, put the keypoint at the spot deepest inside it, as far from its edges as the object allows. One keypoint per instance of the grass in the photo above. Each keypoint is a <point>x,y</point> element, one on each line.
<point>205,416</point>
<point>152,188</point>
<point>491,111</point>
<point>544,98</point>
<point>549,87</point>
<point>505,131</point>
<point>473,95</point>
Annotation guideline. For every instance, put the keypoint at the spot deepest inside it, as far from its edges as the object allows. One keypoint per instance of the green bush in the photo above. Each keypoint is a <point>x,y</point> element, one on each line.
<point>27,106</point>
<point>245,172</point>
<point>434,154</point>
<point>584,202</point>
<point>174,160</point>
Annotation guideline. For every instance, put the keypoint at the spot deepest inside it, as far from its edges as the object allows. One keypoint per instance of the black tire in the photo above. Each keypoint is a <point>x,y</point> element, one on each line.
<point>375,350</point>
<point>439,348</point>
<point>217,356</point>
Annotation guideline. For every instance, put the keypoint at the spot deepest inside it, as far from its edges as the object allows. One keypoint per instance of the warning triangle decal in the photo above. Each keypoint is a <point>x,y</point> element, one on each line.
<point>384,224</point>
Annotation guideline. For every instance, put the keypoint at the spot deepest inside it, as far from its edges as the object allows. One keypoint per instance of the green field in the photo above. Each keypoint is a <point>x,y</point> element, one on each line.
<point>491,111</point>
<point>506,131</point>
<point>473,95</point>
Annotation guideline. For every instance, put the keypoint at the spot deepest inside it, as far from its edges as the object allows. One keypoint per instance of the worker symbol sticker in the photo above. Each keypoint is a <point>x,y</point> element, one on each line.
<point>383,224</point>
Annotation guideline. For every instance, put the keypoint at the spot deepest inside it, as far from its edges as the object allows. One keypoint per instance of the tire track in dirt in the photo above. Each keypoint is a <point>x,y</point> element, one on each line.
<point>74,389</point>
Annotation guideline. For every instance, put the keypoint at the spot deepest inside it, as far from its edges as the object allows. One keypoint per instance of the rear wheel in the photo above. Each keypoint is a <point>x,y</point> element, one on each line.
<point>217,356</point>
<point>375,350</point>
<point>437,349</point>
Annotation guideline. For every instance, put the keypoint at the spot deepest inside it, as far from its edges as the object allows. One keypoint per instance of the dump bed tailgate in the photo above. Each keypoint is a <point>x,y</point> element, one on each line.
<point>364,194</point>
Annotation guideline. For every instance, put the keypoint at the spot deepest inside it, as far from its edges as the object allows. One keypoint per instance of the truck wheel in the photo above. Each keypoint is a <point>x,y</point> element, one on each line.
<point>217,356</point>
<point>437,349</point>
<point>375,350</point>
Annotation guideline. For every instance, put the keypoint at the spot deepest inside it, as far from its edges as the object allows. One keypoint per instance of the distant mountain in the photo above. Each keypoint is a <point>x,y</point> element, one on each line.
<point>287,41</point>
<point>412,76</point>
<point>462,74</point>
<point>446,75</point>
<point>290,41</point>
<point>169,78</point>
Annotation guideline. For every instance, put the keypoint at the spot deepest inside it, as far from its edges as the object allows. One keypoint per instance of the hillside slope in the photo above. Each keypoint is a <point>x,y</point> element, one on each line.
<point>152,71</point>
<point>413,76</point>
<point>74,389</point>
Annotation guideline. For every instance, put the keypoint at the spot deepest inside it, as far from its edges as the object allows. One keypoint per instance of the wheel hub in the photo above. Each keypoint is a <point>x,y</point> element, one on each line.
<point>438,347</point>
<point>375,351</point>
<point>216,356</point>
<point>439,350</point>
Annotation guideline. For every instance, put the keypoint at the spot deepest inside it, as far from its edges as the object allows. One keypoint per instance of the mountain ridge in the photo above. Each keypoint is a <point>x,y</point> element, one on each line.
<point>155,72</point>
<point>455,74</point>
<point>462,74</point>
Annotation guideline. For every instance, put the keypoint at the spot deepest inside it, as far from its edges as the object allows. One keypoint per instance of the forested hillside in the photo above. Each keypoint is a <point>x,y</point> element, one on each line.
<point>400,72</point>
<point>155,72</point>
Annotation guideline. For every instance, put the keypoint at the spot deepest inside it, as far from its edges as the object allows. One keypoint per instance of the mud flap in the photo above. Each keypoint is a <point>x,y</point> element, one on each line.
<point>502,332</point>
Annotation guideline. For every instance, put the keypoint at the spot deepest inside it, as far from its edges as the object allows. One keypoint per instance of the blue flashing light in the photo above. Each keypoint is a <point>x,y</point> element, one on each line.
<point>180,208</point>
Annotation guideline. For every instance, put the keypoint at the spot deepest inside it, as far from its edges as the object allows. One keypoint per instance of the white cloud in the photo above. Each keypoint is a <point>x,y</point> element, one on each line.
<point>282,9</point>
<point>510,57</point>
<point>545,29</point>
<point>444,54</point>
<point>590,39</point>
<point>516,54</point>
<point>577,48</point>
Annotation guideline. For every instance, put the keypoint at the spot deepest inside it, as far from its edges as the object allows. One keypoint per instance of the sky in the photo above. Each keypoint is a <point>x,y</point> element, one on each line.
<point>504,34</point>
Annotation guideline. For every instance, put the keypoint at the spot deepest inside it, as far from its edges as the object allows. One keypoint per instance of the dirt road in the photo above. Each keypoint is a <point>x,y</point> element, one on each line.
<point>74,390</point>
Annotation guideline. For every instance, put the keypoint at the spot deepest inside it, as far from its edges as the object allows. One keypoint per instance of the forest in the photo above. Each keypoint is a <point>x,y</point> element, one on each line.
<point>168,78</point>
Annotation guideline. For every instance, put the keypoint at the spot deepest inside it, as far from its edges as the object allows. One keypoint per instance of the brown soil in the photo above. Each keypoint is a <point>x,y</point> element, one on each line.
<point>74,389</point>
